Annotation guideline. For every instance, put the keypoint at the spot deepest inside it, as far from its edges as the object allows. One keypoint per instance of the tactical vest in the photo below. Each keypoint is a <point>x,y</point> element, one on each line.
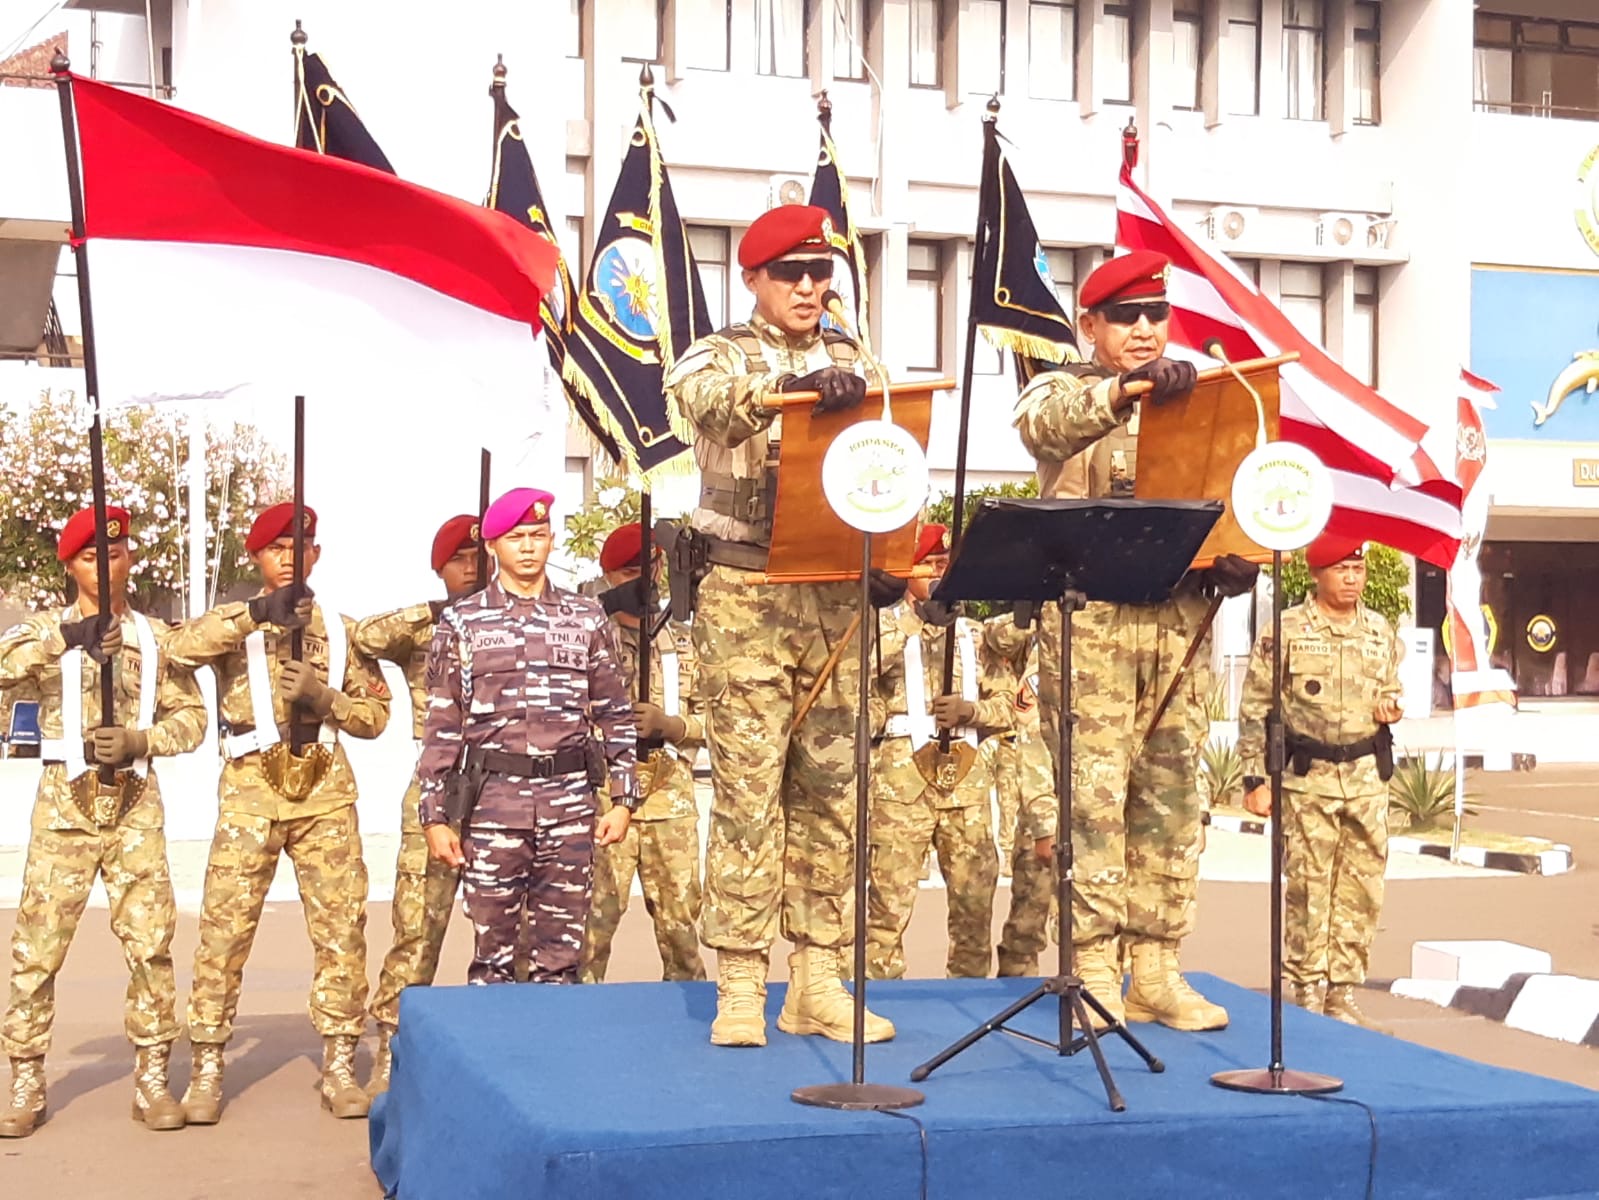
<point>1110,466</point>
<point>742,483</point>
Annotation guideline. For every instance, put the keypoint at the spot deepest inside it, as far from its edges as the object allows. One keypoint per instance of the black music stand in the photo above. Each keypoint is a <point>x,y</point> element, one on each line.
<point>1072,551</point>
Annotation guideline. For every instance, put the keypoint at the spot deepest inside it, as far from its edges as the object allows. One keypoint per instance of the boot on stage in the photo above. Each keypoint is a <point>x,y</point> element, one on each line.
<point>1098,964</point>
<point>1159,992</point>
<point>740,998</point>
<point>1311,996</point>
<point>1340,1006</point>
<point>817,1001</point>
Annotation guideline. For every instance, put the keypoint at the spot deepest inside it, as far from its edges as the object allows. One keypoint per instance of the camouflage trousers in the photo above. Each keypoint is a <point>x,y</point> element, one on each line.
<point>1135,805</point>
<point>537,876</point>
<point>1033,920</point>
<point>424,894</point>
<point>1008,795</point>
<point>326,853</point>
<point>783,807</point>
<point>1336,855</point>
<point>56,881</point>
<point>665,855</point>
<point>963,839</point>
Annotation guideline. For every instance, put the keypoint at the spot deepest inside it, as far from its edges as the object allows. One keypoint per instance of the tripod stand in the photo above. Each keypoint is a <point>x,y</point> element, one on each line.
<point>1070,551</point>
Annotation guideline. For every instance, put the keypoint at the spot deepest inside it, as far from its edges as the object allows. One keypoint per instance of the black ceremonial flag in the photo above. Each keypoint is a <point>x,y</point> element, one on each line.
<point>324,118</point>
<point>831,192</point>
<point>514,190</point>
<point>1013,296</point>
<point>640,306</point>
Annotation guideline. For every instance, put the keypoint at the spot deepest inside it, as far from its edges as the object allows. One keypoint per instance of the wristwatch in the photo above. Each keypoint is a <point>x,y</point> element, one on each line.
<point>1251,782</point>
<point>629,802</point>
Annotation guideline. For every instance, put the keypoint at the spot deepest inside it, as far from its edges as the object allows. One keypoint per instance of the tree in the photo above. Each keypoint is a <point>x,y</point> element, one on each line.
<point>44,453</point>
<point>1387,577</point>
<point>615,502</point>
<point>942,510</point>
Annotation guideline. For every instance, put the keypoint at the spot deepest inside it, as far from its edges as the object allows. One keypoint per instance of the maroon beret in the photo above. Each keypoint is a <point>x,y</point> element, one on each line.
<point>1329,550</point>
<point>78,532</point>
<point>276,522</point>
<point>621,549</point>
<point>783,229</point>
<point>930,541</point>
<point>454,535</point>
<point>1133,276</point>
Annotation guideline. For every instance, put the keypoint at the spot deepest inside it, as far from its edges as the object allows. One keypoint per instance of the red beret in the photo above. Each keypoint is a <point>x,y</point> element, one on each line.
<point>621,549</point>
<point>930,541</point>
<point>1329,550</point>
<point>455,534</point>
<point>277,522</point>
<point>785,228</point>
<point>1126,277</point>
<point>78,532</point>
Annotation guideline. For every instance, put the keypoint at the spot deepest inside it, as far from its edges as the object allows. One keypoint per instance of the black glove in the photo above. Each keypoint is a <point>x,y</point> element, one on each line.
<point>1230,575</point>
<point>100,636</point>
<point>885,589</point>
<point>626,598</point>
<point>839,389</point>
<point>1169,379</point>
<point>935,612</point>
<point>287,608</point>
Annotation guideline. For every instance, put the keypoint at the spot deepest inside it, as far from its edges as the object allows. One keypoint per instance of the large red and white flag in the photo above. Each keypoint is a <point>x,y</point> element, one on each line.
<point>1474,681</point>
<point>221,263</point>
<point>1385,487</point>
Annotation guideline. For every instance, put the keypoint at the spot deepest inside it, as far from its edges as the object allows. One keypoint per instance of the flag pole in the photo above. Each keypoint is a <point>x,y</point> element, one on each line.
<point>646,635</point>
<point>297,634</point>
<point>957,521</point>
<point>61,67</point>
<point>484,463</point>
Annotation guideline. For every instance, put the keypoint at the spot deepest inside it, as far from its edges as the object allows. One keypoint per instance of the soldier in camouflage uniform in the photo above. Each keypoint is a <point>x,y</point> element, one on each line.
<point>83,828</point>
<point>274,802</point>
<point>662,846</point>
<point>1341,690</point>
<point>424,888</point>
<point>518,676</point>
<point>782,818</point>
<point>1136,812</point>
<point>952,813</point>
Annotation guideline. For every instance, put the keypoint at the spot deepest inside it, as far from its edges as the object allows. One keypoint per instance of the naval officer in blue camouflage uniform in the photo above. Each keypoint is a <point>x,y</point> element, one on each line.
<point>521,676</point>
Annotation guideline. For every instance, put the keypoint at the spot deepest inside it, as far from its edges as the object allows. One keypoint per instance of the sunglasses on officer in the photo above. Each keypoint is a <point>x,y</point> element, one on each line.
<point>1128,313</point>
<point>792,270</point>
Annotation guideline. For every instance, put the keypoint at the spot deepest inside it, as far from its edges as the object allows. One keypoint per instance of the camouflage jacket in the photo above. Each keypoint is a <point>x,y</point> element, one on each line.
<point>524,676</point>
<point>401,637</point>
<point>1333,678</point>
<point>671,793</point>
<point>360,708</point>
<point>718,391</point>
<point>30,657</point>
<point>1084,447</point>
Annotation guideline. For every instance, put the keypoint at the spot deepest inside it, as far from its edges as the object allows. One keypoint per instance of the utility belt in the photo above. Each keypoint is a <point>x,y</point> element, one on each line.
<point>1301,751</point>
<point>899,725</point>
<point>748,500</point>
<point>743,556</point>
<point>293,776</point>
<point>104,804</point>
<point>475,764</point>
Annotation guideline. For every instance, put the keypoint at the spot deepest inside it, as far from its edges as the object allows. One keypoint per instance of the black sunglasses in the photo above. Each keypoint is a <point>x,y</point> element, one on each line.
<point>1128,314</point>
<point>792,270</point>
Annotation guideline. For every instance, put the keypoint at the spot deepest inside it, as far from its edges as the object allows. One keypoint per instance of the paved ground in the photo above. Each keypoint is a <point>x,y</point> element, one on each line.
<point>275,1141</point>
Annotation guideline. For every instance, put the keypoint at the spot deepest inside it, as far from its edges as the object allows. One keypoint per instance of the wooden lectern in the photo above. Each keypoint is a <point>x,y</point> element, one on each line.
<point>1190,448</point>
<point>810,543</point>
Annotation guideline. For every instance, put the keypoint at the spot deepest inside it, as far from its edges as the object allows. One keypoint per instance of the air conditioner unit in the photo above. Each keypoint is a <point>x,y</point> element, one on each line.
<point>1380,232</point>
<point>1338,229</point>
<point>788,189</point>
<point>1229,222</point>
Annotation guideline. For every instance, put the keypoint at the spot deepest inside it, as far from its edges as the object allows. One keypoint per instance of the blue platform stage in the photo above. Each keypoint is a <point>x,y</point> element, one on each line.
<point>614,1091</point>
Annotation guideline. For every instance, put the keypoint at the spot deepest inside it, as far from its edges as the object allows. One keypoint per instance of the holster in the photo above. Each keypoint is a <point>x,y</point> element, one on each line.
<point>687,562</point>
<point>462,789</point>
<point>594,754</point>
<point>106,803</point>
<point>1302,751</point>
<point>1384,751</point>
<point>295,776</point>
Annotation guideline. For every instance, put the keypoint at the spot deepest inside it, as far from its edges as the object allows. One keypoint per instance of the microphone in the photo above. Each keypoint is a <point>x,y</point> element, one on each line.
<point>1212,347</point>
<point>833,306</point>
<point>1216,350</point>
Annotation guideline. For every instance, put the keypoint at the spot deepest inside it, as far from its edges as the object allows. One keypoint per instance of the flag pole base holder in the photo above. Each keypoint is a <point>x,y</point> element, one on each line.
<point>1277,1081</point>
<point>857,1097</point>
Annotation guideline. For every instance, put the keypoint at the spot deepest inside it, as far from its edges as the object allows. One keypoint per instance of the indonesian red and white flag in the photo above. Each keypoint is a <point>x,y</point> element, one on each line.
<point>1474,681</point>
<point>221,264</point>
<point>1385,487</point>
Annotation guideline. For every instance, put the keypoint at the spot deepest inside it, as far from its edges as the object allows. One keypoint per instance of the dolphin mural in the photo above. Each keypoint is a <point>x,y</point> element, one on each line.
<point>1582,372</point>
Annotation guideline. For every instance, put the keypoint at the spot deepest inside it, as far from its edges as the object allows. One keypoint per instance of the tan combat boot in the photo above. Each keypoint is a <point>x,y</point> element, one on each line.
<point>1309,996</point>
<point>817,1001</point>
<point>382,1062</point>
<point>1341,1006</point>
<point>202,1101</point>
<point>25,1112</point>
<point>1013,965</point>
<point>1097,962</point>
<point>740,998</point>
<point>1159,992</point>
<point>341,1095</point>
<point>154,1106</point>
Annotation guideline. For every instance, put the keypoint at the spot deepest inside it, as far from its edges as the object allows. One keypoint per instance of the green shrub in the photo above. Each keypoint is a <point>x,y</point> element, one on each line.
<point>1422,791</point>
<point>1222,771</point>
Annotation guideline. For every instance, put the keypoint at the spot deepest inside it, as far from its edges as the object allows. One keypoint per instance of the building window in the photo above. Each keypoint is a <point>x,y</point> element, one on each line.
<point>983,47</point>
<point>712,24</point>
<point>1536,66</point>
<point>1063,273</point>
<point>1368,63</point>
<point>1113,55</point>
<point>1304,56</point>
<point>641,26</point>
<point>1302,303</point>
<point>780,37</point>
<point>927,35</point>
<point>922,327</point>
<point>1360,339</point>
<point>1249,268</point>
<point>572,29</point>
<point>1052,49</point>
<point>712,252</point>
<point>849,38</point>
<point>1187,21</point>
<point>1240,58</point>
